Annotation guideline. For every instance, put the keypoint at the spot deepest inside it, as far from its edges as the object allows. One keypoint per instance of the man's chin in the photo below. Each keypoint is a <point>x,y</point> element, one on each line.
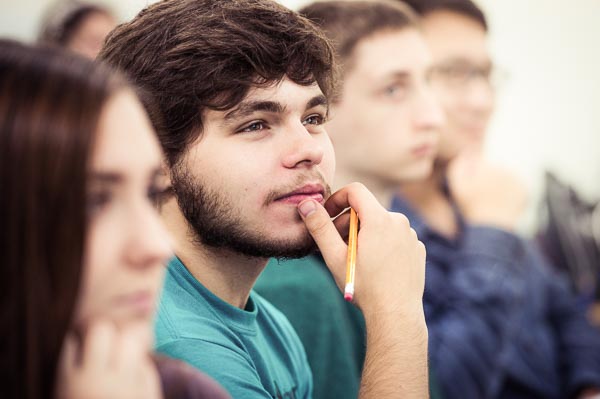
<point>290,248</point>
<point>262,246</point>
<point>297,252</point>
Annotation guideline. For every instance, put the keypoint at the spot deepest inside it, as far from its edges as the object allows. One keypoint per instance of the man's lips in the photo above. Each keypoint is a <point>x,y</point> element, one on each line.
<point>314,191</point>
<point>423,150</point>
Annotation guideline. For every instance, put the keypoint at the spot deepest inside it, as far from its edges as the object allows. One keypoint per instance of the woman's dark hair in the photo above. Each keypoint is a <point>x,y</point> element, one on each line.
<point>50,104</point>
<point>63,20</point>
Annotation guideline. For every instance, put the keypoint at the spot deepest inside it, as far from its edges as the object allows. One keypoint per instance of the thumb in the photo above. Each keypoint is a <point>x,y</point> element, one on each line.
<point>328,239</point>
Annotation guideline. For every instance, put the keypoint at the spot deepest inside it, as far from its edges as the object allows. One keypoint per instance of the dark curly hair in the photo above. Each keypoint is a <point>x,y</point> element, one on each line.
<point>192,55</point>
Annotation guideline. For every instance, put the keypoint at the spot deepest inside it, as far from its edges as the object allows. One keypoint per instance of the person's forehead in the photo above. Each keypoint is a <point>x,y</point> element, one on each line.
<point>125,138</point>
<point>391,52</point>
<point>279,91</point>
<point>453,35</point>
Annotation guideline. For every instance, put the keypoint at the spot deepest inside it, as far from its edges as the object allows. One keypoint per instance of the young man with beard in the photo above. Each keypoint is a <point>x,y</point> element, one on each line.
<point>241,91</point>
<point>384,130</point>
<point>501,324</point>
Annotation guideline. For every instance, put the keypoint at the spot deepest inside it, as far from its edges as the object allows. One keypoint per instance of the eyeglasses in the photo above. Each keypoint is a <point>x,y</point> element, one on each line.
<point>458,75</point>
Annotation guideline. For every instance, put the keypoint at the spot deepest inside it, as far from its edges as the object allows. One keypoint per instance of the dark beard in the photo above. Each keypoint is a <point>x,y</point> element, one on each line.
<point>215,223</point>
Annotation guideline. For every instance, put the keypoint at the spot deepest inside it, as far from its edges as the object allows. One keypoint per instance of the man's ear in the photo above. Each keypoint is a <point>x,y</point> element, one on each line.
<point>165,172</point>
<point>164,181</point>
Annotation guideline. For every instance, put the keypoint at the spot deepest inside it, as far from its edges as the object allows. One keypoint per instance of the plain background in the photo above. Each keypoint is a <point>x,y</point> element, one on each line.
<point>548,114</point>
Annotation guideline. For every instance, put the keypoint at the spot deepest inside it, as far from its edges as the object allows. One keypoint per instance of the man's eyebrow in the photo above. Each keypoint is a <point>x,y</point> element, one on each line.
<point>460,60</point>
<point>399,75</point>
<point>316,101</point>
<point>247,108</point>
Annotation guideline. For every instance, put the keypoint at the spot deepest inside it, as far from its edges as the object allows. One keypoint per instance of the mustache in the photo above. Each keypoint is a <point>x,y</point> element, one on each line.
<point>300,181</point>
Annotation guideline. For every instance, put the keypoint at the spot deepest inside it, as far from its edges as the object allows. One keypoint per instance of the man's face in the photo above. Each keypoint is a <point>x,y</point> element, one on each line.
<point>385,124</point>
<point>240,183</point>
<point>460,78</point>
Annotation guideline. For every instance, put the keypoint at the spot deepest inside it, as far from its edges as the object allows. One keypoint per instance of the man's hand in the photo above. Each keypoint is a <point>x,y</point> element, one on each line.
<point>486,194</point>
<point>389,283</point>
<point>390,267</point>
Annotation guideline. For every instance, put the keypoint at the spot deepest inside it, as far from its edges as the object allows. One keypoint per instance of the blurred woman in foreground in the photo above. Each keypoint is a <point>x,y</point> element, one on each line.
<point>81,244</point>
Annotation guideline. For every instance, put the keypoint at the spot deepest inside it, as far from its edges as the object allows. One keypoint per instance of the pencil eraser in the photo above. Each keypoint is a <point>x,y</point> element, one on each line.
<point>348,296</point>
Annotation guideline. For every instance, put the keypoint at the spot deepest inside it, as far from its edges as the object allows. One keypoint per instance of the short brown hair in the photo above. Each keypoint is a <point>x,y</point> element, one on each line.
<point>192,55</point>
<point>347,23</point>
<point>464,7</point>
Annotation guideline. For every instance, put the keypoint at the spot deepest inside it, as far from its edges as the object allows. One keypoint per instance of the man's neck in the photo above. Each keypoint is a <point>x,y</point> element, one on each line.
<point>421,192</point>
<point>383,191</point>
<point>227,274</point>
<point>427,197</point>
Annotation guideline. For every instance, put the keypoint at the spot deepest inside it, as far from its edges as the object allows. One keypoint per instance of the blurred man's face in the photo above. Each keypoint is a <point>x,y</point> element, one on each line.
<point>385,125</point>
<point>460,78</point>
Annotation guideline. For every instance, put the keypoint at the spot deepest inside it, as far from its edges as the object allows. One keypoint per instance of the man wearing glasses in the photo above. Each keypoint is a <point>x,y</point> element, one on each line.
<point>500,324</point>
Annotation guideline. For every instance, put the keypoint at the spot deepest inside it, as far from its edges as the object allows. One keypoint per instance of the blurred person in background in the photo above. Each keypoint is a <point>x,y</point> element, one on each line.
<point>82,247</point>
<point>78,26</point>
<point>384,129</point>
<point>570,238</point>
<point>464,79</point>
<point>501,324</point>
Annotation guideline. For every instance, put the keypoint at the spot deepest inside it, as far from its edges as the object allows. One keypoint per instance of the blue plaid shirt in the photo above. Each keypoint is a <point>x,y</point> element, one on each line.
<point>501,325</point>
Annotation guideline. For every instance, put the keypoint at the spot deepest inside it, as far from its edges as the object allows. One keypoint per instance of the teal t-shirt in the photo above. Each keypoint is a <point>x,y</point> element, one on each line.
<point>252,352</point>
<point>331,329</point>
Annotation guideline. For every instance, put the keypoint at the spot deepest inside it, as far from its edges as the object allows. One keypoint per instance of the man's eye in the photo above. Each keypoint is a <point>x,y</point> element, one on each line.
<point>314,120</point>
<point>253,127</point>
<point>459,72</point>
<point>394,91</point>
<point>391,89</point>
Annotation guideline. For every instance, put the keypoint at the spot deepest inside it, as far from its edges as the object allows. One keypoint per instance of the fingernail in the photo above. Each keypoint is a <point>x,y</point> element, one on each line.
<point>307,207</point>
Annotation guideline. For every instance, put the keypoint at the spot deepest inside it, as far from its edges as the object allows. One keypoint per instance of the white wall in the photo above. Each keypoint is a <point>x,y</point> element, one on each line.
<point>19,19</point>
<point>549,111</point>
<point>548,114</point>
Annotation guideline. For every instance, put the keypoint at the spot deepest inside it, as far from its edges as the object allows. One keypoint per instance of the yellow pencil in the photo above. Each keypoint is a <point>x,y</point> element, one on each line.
<point>351,259</point>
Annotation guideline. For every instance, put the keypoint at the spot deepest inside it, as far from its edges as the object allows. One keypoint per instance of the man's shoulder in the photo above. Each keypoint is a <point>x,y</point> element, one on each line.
<point>236,358</point>
<point>185,313</point>
<point>180,325</point>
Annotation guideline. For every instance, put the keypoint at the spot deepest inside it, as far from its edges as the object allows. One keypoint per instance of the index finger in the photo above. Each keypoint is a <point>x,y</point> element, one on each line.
<point>354,195</point>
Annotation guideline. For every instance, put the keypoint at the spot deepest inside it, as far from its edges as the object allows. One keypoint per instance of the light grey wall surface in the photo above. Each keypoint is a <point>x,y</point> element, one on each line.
<point>548,114</point>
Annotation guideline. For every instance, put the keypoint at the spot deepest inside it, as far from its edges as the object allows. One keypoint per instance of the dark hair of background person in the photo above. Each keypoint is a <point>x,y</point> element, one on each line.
<point>464,7</point>
<point>206,54</point>
<point>346,23</point>
<point>50,104</point>
<point>62,21</point>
